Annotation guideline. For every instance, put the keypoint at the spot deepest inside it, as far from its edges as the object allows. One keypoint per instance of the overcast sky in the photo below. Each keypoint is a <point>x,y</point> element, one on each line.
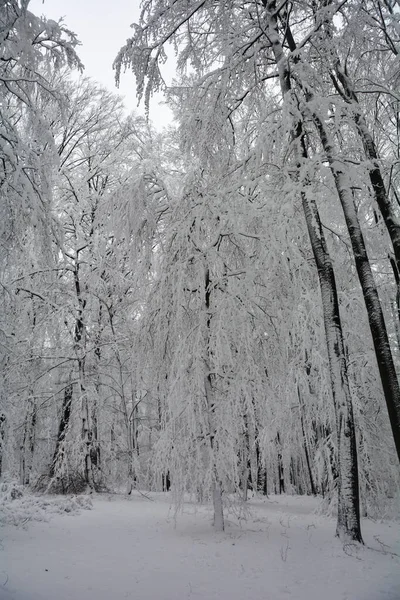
<point>102,26</point>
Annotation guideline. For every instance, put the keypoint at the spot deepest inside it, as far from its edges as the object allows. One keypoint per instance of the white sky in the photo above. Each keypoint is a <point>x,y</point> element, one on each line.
<point>103,26</point>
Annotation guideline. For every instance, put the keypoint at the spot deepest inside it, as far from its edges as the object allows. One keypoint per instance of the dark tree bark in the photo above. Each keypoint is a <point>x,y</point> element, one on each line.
<point>80,348</point>
<point>3,421</point>
<point>166,482</point>
<point>346,89</point>
<point>281,472</point>
<point>383,353</point>
<point>376,319</point>
<point>28,443</point>
<point>219,523</point>
<point>62,430</point>
<point>305,444</point>
<point>348,521</point>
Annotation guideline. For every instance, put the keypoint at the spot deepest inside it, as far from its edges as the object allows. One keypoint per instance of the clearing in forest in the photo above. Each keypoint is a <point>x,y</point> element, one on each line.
<point>134,548</point>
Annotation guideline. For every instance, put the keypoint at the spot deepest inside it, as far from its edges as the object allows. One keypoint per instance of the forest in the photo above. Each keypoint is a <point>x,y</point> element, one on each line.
<point>210,310</point>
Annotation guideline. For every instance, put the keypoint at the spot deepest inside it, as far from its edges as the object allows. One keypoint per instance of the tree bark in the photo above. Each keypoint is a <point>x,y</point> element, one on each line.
<point>306,444</point>
<point>28,444</point>
<point>348,518</point>
<point>3,423</point>
<point>80,348</point>
<point>219,522</point>
<point>62,430</point>
<point>345,87</point>
<point>376,319</point>
<point>281,472</point>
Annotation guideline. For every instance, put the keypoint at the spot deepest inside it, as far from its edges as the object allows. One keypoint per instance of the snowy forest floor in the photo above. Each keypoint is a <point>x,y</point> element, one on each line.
<point>132,548</point>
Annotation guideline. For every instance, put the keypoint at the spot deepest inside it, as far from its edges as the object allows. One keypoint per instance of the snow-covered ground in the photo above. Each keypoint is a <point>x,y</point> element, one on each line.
<point>132,548</point>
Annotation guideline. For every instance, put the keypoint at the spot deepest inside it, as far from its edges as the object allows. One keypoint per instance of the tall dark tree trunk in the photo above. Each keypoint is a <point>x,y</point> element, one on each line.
<point>396,303</point>
<point>345,87</point>
<point>59,451</point>
<point>306,444</point>
<point>217,490</point>
<point>249,455</point>
<point>133,445</point>
<point>261,469</point>
<point>28,443</point>
<point>95,449</point>
<point>383,353</point>
<point>80,348</point>
<point>265,487</point>
<point>87,435</point>
<point>166,482</point>
<point>348,520</point>
<point>3,421</point>
<point>245,459</point>
<point>281,471</point>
